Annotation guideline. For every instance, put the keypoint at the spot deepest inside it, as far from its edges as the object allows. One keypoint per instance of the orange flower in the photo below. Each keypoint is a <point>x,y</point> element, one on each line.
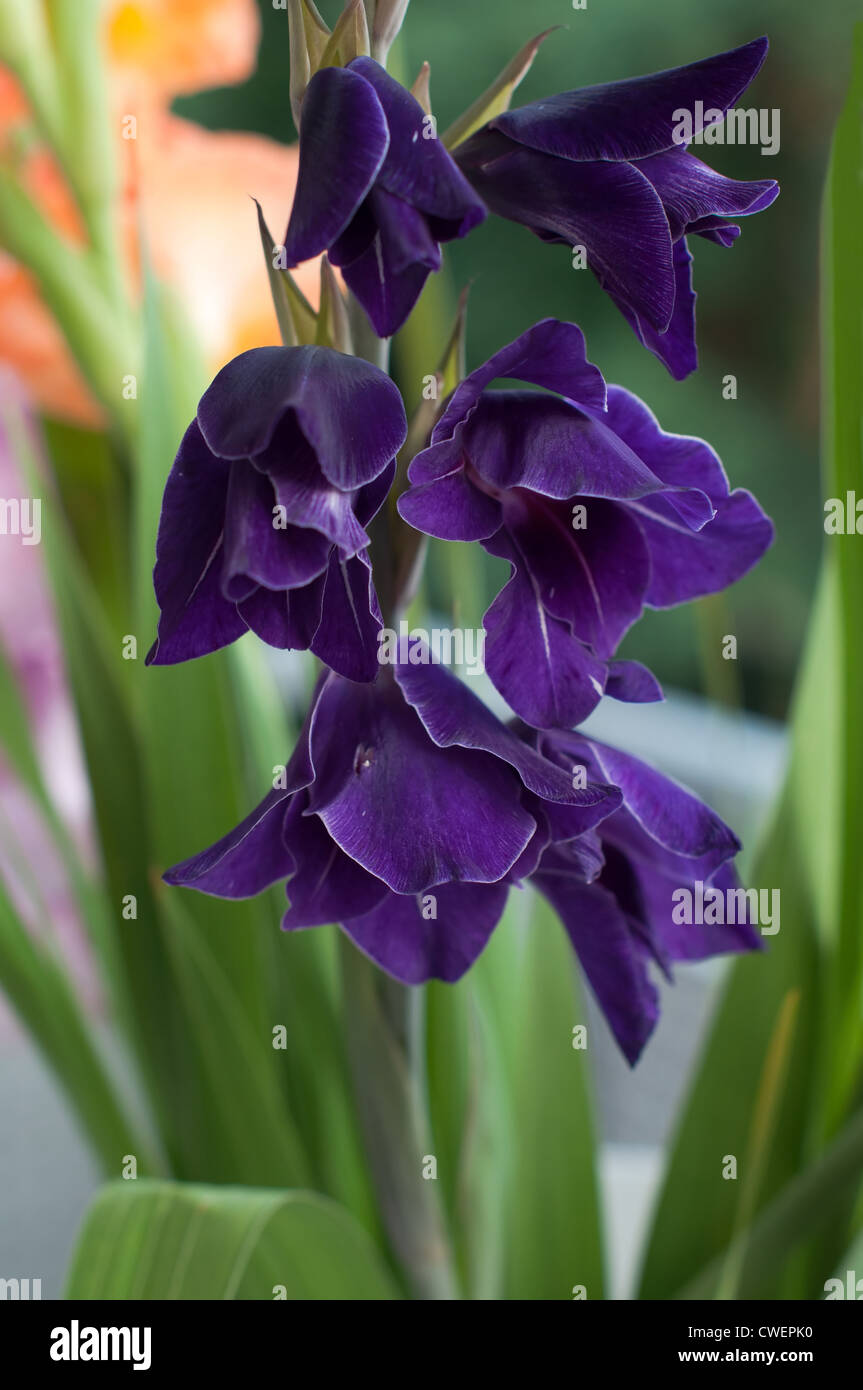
<point>200,223</point>
<point>178,46</point>
<point>187,189</point>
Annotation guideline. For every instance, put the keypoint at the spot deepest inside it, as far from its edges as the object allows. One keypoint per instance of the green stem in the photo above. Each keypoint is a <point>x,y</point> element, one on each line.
<point>383,1034</point>
<point>367,344</point>
<point>384,1019</point>
<point>720,677</point>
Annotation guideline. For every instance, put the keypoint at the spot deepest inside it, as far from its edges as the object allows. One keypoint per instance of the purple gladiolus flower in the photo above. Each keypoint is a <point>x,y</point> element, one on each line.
<point>408,811</point>
<point>598,511</point>
<point>263,521</point>
<point>375,189</point>
<point>600,168</point>
<point>405,813</point>
<point>662,839</point>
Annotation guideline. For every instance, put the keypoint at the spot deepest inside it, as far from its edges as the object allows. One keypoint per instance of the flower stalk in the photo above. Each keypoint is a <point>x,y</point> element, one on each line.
<point>383,1018</point>
<point>383,1035</point>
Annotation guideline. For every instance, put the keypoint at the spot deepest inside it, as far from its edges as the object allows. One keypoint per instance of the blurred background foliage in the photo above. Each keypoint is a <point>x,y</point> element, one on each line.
<point>757,308</point>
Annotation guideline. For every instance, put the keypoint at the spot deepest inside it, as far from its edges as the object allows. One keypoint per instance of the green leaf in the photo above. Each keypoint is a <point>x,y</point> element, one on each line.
<point>195,754</point>
<point>469,1120</point>
<point>160,1240</point>
<point>811,854</point>
<point>498,96</point>
<point>696,1214</point>
<point>553,1232</point>
<point>38,987</point>
<point>256,1134</point>
<point>803,1209</point>
<point>297,320</point>
<point>334,329</point>
<point>842,304</point>
<point>15,730</point>
<point>350,37</point>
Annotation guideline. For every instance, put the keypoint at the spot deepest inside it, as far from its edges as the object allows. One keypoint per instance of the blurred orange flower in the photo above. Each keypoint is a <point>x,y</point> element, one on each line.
<point>169,47</point>
<point>186,190</point>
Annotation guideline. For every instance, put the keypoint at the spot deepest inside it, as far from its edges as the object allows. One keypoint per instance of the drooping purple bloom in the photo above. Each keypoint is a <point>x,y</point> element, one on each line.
<point>405,813</point>
<point>600,167</point>
<point>660,841</point>
<point>408,811</point>
<point>598,511</point>
<point>375,189</point>
<point>263,520</point>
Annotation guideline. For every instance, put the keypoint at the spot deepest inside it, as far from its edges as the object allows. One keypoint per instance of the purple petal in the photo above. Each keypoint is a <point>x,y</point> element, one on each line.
<point>529,859</point>
<point>611,209</point>
<point>658,814</point>
<point>594,580</point>
<point>611,955</point>
<point>675,347</point>
<point>246,860</point>
<point>550,354</point>
<point>679,460</point>
<point>350,412</point>
<point>687,565</point>
<point>451,508</point>
<point>453,715</point>
<point>306,496</point>
<point>347,637</point>
<point>691,191</point>
<point>676,941</point>
<point>403,942</point>
<point>326,885</point>
<point>389,274</point>
<point>285,618</point>
<point>195,616</point>
<point>345,140</point>
<point>413,814</point>
<point>255,549</point>
<point>635,117</point>
<point>633,683</point>
<point>543,672</point>
<point>369,499</point>
<point>254,854</point>
<point>523,439</point>
<point>420,170</point>
<point>716,229</point>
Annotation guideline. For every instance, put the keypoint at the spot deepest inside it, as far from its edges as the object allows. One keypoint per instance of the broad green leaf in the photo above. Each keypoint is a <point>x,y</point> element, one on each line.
<point>160,1240</point>
<point>842,285</point>
<point>255,1132</point>
<point>469,1144</point>
<point>554,1238</point>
